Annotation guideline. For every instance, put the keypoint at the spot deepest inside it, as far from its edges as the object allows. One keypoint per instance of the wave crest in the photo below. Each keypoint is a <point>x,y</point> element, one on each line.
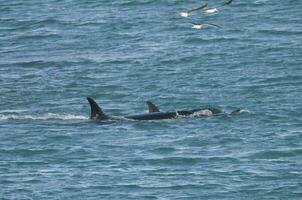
<point>48,116</point>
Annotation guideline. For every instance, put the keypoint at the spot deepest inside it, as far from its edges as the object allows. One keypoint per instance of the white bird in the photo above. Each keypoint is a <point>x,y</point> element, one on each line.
<point>187,13</point>
<point>200,26</point>
<point>210,10</point>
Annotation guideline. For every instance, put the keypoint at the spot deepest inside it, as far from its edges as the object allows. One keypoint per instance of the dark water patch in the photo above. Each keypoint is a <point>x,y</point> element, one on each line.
<point>286,78</point>
<point>226,140</point>
<point>26,163</point>
<point>57,137</point>
<point>128,186</point>
<point>27,152</point>
<point>197,41</point>
<point>222,159</point>
<point>176,187</point>
<point>135,3</point>
<point>178,60</point>
<point>276,154</point>
<point>5,9</point>
<point>23,65</point>
<point>32,26</point>
<point>43,22</point>
<point>148,197</point>
<point>6,182</point>
<point>168,161</point>
<point>193,142</point>
<point>39,36</point>
<point>92,187</point>
<point>33,181</point>
<point>280,32</point>
<point>164,150</point>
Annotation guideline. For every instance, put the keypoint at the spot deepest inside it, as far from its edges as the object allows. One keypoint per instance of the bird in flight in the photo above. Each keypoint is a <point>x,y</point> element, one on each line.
<point>187,13</point>
<point>200,26</point>
<point>210,10</point>
<point>205,8</point>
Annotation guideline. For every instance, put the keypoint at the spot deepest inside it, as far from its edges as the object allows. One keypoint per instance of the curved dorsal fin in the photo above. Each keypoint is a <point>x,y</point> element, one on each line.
<point>152,107</point>
<point>96,111</point>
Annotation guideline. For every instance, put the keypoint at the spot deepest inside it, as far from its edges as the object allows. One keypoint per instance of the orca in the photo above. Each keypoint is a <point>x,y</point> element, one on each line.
<point>155,114</point>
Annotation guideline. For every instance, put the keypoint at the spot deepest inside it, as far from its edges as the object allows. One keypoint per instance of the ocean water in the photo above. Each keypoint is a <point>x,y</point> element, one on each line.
<point>54,53</point>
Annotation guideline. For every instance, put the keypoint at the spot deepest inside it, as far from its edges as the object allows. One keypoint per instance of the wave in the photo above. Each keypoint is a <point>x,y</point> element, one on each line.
<point>279,32</point>
<point>48,116</point>
<point>194,40</point>
<point>135,3</point>
<point>169,161</point>
<point>276,154</point>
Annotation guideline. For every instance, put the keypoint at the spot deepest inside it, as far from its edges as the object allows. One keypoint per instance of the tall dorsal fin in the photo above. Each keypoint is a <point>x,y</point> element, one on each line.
<point>152,107</point>
<point>96,111</point>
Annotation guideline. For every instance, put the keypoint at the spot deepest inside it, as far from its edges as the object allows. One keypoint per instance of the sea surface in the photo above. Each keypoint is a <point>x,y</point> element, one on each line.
<point>55,53</point>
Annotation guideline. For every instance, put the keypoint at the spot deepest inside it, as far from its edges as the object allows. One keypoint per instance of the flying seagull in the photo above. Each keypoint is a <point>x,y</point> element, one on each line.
<point>210,10</point>
<point>200,26</point>
<point>186,13</point>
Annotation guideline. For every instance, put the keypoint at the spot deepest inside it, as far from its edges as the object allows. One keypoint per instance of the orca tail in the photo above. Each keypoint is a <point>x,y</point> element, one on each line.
<point>96,111</point>
<point>152,107</point>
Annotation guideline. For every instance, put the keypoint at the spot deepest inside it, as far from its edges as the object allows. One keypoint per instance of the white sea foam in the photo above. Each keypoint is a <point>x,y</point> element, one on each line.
<point>48,116</point>
<point>261,1</point>
<point>202,113</point>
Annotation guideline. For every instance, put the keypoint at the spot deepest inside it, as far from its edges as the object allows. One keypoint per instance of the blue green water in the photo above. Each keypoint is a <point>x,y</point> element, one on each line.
<point>55,53</point>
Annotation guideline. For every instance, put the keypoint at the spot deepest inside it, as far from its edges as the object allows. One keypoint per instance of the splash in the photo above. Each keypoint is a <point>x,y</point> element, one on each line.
<point>48,116</point>
<point>202,113</point>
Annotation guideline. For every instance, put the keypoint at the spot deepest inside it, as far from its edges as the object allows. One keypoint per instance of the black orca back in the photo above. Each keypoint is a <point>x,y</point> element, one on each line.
<point>153,116</point>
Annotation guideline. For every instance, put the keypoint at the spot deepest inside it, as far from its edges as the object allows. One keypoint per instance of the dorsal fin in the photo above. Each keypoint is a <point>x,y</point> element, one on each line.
<point>152,107</point>
<point>96,111</point>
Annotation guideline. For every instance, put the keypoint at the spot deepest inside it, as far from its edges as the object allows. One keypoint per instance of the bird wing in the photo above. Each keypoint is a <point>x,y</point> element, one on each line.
<point>225,3</point>
<point>209,24</point>
<point>193,23</point>
<point>199,8</point>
